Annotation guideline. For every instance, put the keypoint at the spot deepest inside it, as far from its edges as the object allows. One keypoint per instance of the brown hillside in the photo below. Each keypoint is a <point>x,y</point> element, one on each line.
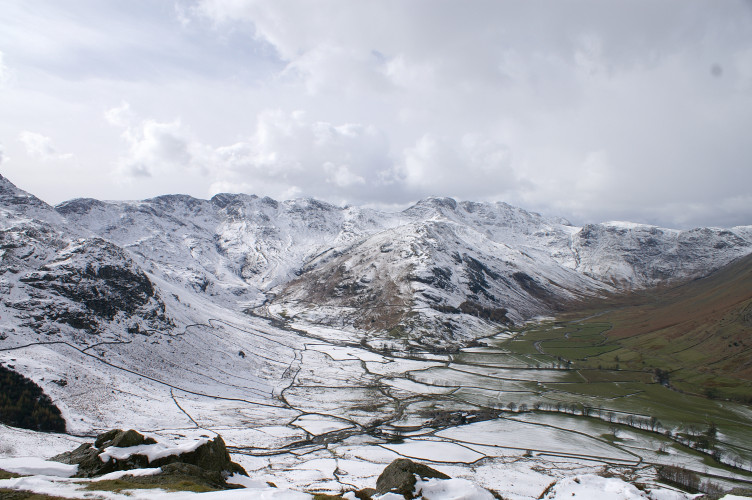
<point>700,331</point>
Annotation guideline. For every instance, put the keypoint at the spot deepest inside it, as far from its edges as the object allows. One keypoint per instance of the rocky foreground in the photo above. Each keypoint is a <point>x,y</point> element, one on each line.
<point>129,462</point>
<point>207,463</point>
<point>128,465</point>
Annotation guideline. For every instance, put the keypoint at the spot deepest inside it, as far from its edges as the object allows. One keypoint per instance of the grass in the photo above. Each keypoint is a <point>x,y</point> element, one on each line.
<point>575,353</point>
<point>520,346</point>
<point>490,359</point>
<point>599,389</point>
<point>4,474</point>
<point>7,494</point>
<point>699,331</point>
<point>616,355</point>
<point>118,485</point>
<point>595,375</point>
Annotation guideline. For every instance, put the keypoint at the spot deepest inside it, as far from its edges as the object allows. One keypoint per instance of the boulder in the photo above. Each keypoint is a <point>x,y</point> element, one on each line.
<point>401,475</point>
<point>365,493</point>
<point>85,456</point>
<point>121,439</point>
<point>105,438</point>
<point>210,461</point>
<point>210,456</point>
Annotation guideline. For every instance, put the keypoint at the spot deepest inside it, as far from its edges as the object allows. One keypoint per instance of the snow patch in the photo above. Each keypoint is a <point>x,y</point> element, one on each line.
<point>150,451</point>
<point>435,451</point>
<point>37,466</point>
<point>592,487</point>
<point>133,472</point>
<point>451,489</point>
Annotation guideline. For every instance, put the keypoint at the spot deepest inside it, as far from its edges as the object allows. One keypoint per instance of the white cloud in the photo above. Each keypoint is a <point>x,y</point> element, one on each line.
<point>3,158</point>
<point>155,147</point>
<point>474,166</point>
<point>631,109</point>
<point>338,69</point>
<point>341,176</point>
<point>5,73</point>
<point>287,150</point>
<point>595,174</point>
<point>286,154</point>
<point>588,55</point>
<point>40,147</point>
<point>121,116</point>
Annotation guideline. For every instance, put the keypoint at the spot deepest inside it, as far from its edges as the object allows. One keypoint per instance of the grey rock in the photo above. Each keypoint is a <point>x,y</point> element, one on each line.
<point>210,461</point>
<point>401,475</point>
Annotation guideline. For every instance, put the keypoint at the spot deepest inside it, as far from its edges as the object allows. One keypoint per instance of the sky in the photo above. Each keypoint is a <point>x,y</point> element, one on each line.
<point>591,110</point>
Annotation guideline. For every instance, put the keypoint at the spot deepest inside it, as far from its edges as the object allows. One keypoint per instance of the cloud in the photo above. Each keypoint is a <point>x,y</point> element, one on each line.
<point>40,147</point>
<point>474,166</point>
<point>155,147</point>
<point>334,68</point>
<point>290,151</point>
<point>286,154</point>
<point>584,109</point>
<point>3,157</point>
<point>341,176</point>
<point>5,72</point>
<point>121,116</point>
<point>456,46</point>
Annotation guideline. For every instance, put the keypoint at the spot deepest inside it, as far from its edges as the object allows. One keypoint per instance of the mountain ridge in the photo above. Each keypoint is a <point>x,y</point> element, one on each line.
<point>440,272</point>
<point>300,329</point>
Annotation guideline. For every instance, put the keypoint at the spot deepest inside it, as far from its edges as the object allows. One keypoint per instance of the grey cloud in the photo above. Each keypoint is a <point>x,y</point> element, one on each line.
<point>592,108</point>
<point>579,108</point>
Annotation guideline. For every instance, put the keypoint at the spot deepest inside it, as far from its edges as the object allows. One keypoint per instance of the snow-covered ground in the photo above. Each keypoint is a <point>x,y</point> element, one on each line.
<point>320,394</point>
<point>336,415</point>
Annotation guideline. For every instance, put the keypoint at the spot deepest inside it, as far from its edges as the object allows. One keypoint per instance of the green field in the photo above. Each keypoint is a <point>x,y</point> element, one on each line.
<point>614,380</point>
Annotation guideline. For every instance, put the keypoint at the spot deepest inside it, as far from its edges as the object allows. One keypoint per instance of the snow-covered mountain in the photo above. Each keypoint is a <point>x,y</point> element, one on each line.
<point>149,314</point>
<point>437,273</point>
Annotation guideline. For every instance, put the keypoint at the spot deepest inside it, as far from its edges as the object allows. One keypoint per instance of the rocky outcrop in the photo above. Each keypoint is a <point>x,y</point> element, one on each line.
<point>119,450</point>
<point>103,279</point>
<point>121,439</point>
<point>401,478</point>
<point>84,285</point>
<point>401,475</point>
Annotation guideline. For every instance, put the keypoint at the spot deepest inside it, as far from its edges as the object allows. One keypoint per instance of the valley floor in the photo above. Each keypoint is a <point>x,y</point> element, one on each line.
<point>310,409</point>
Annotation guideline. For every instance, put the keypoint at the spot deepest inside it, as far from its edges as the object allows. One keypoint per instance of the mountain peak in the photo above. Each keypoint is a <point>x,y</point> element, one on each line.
<point>222,200</point>
<point>13,196</point>
<point>440,202</point>
<point>433,205</point>
<point>78,206</point>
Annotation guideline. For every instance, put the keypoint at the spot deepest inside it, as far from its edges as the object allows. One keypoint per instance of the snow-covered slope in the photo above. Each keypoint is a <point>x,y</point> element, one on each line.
<point>637,255</point>
<point>437,273</point>
<point>145,314</point>
<point>452,270</point>
<point>54,280</point>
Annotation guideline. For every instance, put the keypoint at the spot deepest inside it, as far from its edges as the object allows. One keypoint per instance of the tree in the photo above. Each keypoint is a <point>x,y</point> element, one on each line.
<point>662,377</point>
<point>24,404</point>
<point>654,424</point>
